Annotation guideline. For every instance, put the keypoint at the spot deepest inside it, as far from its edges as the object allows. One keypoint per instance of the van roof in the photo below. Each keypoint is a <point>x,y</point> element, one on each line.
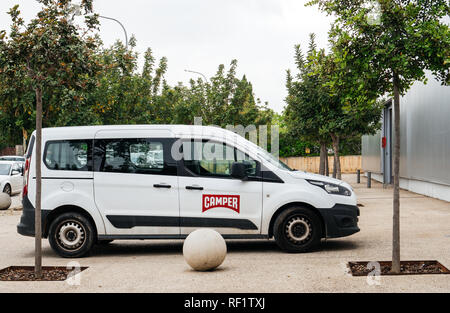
<point>177,131</point>
<point>72,132</point>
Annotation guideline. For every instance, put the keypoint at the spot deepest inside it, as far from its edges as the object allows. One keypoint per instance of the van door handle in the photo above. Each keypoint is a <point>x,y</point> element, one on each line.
<point>161,186</point>
<point>194,188</point>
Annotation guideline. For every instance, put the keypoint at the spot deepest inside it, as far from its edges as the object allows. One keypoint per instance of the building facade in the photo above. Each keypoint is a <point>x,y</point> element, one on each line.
<point>425,141</point>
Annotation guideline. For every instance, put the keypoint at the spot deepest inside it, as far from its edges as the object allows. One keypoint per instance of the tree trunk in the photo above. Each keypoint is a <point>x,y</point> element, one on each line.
<point>396,202</point>
<point>337,160</point>
<point>327,167</point>
<point>24,140</point>
<point>334,166</point>
<point>37,215</point>
<point>323,157</point>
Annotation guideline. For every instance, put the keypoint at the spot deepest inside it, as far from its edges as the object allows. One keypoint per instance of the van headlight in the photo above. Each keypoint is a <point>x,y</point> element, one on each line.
<point>331,188</point>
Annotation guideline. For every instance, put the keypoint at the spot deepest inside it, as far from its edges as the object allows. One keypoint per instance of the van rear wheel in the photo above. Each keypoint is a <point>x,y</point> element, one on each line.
<point>297,229</point>
<point>71,235</point>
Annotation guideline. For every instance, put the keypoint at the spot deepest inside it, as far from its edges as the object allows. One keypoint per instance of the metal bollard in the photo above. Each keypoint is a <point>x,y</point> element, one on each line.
<point>369,179</point>
<point>358,176</point>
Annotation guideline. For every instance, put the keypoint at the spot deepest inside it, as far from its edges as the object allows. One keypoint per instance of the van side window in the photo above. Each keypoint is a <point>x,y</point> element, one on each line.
<point>208,158</point>
<point>135,155</point>
<point>68,155</point>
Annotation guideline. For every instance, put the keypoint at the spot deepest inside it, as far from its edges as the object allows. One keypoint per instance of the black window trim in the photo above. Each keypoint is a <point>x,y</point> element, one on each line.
<point>30,147</point>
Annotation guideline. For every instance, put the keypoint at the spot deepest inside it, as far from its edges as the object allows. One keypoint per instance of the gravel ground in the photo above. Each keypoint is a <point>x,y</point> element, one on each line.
<point>256,266</point>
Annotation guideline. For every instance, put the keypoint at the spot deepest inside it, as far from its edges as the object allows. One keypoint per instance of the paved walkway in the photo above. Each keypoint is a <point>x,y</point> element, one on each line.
<point>258,266</point>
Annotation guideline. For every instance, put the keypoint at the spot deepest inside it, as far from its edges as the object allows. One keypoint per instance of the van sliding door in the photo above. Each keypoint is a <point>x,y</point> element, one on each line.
<point>135,183</point>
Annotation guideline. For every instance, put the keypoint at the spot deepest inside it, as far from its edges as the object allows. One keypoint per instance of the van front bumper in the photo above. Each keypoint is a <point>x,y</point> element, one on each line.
<point>26,224</point>
<point>340,220</point>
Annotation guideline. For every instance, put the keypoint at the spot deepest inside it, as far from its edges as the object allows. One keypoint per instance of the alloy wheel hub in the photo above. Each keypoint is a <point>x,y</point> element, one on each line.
<point>298,229</point>
<point>71,235</point>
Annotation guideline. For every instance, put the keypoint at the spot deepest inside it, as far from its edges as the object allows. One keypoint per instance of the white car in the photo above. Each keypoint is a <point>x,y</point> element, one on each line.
<point>102,183</point>
<point>17,158</point>
<point>11,177</point>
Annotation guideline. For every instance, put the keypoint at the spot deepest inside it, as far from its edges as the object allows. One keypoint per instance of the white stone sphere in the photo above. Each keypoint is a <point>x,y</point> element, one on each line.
<point>204,249</point>
<point>5,201</point>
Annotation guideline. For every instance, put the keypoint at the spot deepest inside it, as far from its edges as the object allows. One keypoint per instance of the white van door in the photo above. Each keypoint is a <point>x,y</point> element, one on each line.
<point>135,183</point>
<point>210,197</point>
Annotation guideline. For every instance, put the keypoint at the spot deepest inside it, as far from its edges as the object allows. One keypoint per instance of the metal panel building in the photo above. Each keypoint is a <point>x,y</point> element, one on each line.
<point>425,141</point>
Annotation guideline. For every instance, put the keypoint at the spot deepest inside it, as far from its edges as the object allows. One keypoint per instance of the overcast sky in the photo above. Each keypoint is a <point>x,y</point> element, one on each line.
<point>201,34</point>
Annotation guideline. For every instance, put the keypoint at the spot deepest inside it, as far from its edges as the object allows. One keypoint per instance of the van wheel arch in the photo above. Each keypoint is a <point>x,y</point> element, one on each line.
<point>10,188</point>
<point>66,209</point>
<point>294,204</point>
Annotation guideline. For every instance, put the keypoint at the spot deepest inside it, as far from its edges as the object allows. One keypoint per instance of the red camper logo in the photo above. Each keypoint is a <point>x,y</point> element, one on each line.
<point>220,201</point>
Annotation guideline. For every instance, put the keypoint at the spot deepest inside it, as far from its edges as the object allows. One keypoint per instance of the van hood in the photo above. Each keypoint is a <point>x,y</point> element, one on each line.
<point>306,175</point>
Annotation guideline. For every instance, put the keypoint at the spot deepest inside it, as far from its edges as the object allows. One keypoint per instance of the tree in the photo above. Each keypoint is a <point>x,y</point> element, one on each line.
<point>307,102</point>
<point>223,100</point>
<point>16,110</point>
<point>124,94</point>
<point>350,114</point>
<point>320,112</point>
<point>50,52</point>
<point>394,50</point>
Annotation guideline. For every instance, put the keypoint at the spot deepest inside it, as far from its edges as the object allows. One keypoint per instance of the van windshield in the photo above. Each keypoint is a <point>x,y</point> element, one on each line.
<point>4,169</point>
<point>273,160</point>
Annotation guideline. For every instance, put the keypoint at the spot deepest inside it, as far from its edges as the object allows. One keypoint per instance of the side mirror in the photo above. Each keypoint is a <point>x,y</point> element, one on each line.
<point>15,172</point>
<point>239,170</point>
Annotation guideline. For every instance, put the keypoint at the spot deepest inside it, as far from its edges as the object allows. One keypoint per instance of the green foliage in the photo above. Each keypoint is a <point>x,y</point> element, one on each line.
<point>228,100</point>
<point>49,55</point>
<point>85,83</point>
<point>408,38</point>
<point>307,101</point>
<point>321,105</point>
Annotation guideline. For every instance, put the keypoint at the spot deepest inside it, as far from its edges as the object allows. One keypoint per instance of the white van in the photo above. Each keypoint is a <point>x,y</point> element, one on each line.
<point>102,183</point>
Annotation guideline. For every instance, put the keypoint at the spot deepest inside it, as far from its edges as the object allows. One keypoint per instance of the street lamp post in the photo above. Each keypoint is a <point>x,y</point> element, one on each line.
<point>206,79</point>
<point>123,27</point>
<point>76,10</point>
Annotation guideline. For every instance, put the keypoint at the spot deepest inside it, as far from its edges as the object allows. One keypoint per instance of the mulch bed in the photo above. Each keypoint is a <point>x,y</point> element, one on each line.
<point>26,273</point>
<point>406,268</point>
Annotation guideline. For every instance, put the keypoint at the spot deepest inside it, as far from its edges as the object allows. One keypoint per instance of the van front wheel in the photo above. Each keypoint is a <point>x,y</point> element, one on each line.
<point>71,235</point>
<point>297,229</point>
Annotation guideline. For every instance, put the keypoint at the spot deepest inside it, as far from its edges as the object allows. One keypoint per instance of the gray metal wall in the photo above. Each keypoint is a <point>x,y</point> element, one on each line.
<point>425,135</point>
<point>425,127</point>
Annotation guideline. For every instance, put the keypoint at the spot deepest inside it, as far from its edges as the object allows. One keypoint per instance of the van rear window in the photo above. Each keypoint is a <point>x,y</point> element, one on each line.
<point>68,155</point>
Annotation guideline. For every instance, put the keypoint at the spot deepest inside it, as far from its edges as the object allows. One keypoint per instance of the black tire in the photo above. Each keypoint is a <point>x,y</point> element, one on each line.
<point>297,229</point>
<point>7,189</point>
<point>71,229</point>
<point>104,242</point>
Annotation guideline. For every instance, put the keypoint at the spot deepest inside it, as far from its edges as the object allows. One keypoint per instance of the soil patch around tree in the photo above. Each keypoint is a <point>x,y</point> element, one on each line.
<point>364,268</point>
<point>26,273</point>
